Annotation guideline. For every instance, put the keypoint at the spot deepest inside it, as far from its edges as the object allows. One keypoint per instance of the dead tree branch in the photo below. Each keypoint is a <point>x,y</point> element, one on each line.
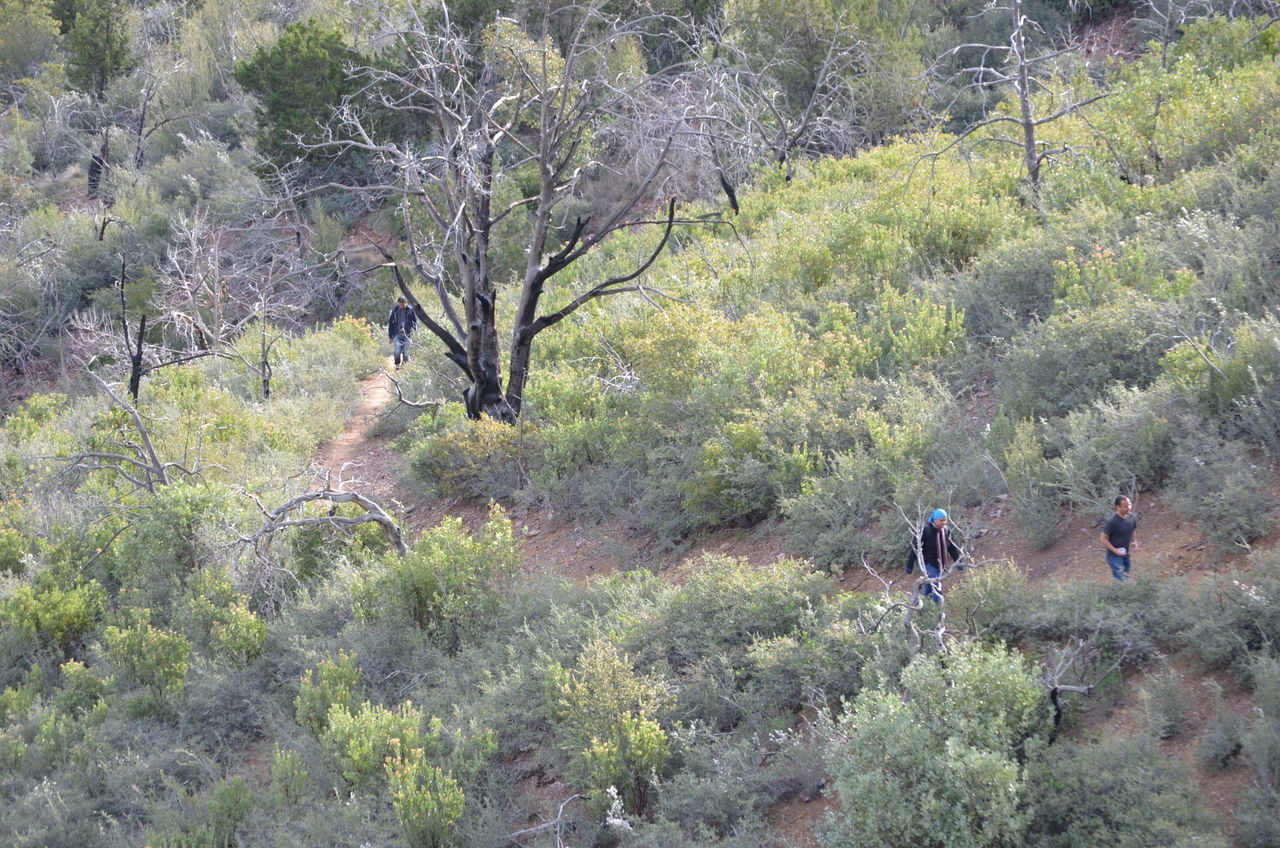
<point>281,518</point>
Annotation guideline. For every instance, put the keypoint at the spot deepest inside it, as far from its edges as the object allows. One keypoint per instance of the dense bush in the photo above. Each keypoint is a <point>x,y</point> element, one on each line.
<point>606,714</point>
<point>1224,488</point>
<point>937,765</point>
<point>725,605</point>
<point>1121,792</point>
<point>1262,744</point>
<point>1073,357</point>
<point>449,584</point>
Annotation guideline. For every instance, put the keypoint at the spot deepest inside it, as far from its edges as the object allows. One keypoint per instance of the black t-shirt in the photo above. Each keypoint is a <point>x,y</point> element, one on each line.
<point>1119,531</point>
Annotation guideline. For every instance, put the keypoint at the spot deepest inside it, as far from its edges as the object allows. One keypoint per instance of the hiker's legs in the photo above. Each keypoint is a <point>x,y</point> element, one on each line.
<point>401,349</point>
<point>932,590</point>
<point>1119,565</point>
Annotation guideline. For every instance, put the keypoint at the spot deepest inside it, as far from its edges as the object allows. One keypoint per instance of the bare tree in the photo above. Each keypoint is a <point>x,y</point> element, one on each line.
<point>1028,77</point>
<point>222,280</point>
<point>508,115</point>
<point>283,517</point>
<point>130,452</point>
<point>219,281</point>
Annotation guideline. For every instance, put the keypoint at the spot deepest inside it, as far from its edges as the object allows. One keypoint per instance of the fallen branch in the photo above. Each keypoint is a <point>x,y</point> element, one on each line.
<point>280,517</point>
<point>557,823</point>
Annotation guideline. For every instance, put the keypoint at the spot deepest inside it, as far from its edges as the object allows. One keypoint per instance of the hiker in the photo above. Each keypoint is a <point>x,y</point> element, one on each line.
<point>399,325</point>
<point>1117,538</point>
<point>935,547</point>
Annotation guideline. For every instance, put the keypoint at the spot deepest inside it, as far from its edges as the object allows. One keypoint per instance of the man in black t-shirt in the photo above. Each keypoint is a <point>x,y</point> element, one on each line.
<point>1117,538</point>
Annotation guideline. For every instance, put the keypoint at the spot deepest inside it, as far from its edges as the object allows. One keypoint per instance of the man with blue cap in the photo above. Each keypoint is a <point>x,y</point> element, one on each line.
<point>935,549</point>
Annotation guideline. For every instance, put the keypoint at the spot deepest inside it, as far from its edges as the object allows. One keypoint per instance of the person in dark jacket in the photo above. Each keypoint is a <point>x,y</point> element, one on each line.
<point>935,547</point>
<point>400,325</point>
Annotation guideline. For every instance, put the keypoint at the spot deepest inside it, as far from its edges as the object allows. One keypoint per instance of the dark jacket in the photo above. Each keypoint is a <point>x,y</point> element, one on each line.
<point>401,320</point>
<point>931,547</point>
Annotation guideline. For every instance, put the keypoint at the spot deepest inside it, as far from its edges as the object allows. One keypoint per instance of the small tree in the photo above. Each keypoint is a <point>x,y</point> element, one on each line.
<point>100,45</point>
<point>606,712</point>
<point>28,36</point>
<point>300,82</point>
<point>101,49</point>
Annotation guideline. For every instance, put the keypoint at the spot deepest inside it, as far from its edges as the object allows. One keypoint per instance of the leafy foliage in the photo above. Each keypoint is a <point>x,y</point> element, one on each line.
<point>954,780</point>
<point>449,583</point>
<point>1121,793</point>
<point>606,712</point>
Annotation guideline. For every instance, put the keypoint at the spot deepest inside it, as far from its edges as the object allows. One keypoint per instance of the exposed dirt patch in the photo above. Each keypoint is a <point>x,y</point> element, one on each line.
<point>798,821</point>
<point>1110,37</point>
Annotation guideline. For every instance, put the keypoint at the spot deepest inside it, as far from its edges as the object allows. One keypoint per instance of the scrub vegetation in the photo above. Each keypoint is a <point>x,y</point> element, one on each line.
<point>679,268</point>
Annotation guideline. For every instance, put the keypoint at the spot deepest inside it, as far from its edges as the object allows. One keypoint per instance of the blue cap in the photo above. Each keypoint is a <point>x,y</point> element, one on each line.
<point>938,513</point>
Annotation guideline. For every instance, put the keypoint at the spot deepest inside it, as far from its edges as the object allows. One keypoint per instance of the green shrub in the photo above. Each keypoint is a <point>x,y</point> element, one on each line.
<point>1258,811</point>
<point>605,714</point>
<point>427,802</point>
<point>16,701</point>
<point>172,540</point>
<point>328,685</point>
<point>53,617</point>
<point>1120,793</point>
<point>829,520</point>
<point>81,689</point>
<point>219,618</point>
<point>148,655</point>
<point>720,789</point>
<point>13,546</point>
<point>478,459</point>
<point>1163,705</point>
<point>740,477</point>
<point>216,825</point>
<point>359,741</point>
<point>1112,621</point>
<point>934,764</point>
<point>1225,490</point>
<point>1234,383</point>
<point>1223,738</point>
<point>823,660</point>
<point>1074,357</point>
<point>290,781</point>
<point>1233,617</point>
<point>727,604</point>
<point>1118,445</point>
<point>1032,486</point>
<point>449,584</point>
<point>229,806</point>
<point>991,600</point>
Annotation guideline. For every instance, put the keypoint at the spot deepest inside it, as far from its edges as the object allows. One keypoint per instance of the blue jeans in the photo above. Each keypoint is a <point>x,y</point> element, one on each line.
<point>1119,565</point>
<point>400,352</point>
<point>930,590</point>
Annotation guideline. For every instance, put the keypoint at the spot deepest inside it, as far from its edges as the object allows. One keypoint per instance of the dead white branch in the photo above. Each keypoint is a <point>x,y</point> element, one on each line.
<point>281,518</point>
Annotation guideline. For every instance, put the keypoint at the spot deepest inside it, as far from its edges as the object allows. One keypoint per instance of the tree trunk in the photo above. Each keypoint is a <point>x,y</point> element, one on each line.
<point>521,353</point>
<point>135,359</point>
<point>485,396</point>
<point>1030,157</point>
<point>98,165</point>
<point>264,366</point>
